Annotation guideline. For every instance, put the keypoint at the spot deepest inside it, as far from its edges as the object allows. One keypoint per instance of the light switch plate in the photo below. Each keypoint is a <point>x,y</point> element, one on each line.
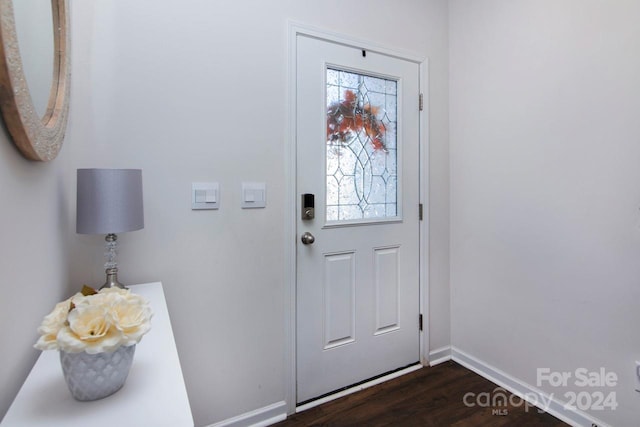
<point>205,195</point>
<point>254,195</point>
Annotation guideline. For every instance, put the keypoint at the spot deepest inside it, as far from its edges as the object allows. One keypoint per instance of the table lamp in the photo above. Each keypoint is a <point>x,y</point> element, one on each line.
<point>109,201</point>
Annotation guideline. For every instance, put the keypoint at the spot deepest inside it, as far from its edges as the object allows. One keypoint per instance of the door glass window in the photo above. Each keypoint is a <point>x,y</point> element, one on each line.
<point>361,155</point>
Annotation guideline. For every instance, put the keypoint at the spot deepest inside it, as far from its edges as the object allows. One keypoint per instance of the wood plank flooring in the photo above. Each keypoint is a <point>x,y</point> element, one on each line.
<point>426,397</point>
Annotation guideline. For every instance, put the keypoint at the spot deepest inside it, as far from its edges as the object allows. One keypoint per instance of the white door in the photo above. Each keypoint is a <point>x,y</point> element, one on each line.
<point>358,155</point>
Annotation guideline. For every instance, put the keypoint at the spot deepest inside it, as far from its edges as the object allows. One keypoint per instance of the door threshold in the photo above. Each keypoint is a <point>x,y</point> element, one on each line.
<point>358,387</point>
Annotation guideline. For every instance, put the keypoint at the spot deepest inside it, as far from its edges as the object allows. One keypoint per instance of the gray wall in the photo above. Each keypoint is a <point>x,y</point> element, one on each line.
<point>544,196</point>
<point>196,93</point>
<point>33,257</point>
<point>545,145</point>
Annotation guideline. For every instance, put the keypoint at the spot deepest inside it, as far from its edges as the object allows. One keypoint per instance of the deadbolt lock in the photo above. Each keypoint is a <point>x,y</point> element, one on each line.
<point>308,206</point>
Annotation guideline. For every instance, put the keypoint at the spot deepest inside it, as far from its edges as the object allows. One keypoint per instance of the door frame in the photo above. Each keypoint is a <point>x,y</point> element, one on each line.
<point>291,196</point>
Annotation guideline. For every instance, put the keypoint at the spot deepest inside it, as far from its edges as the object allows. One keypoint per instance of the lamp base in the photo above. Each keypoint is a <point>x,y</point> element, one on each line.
<point>112,279</point>
<point>111,266</point>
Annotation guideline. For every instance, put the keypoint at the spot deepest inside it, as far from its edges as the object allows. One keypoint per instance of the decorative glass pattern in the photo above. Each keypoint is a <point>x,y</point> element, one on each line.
<point>361,151</point>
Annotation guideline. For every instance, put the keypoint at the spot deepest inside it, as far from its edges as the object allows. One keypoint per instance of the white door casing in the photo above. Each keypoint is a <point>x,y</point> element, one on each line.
<point>357,295</point>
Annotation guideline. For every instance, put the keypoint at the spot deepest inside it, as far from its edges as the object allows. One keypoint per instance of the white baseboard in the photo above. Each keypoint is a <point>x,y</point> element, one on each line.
<point>439,355</point>
<point>277,412</point>
<point>525,391</point>
<point>261,417</point>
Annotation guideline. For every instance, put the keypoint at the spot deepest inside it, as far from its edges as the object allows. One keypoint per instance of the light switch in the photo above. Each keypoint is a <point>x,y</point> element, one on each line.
<point>204,195</point>
<point>211,196</point>
<point>254,195</point>
<point>201,196</point>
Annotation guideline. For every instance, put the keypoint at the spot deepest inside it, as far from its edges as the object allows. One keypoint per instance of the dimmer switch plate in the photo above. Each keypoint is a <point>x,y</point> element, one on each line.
<point>254,195</point>
<point>205,195</point>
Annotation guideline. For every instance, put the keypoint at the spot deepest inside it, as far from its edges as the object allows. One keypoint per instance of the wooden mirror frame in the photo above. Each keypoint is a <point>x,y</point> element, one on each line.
<point>37,138</point>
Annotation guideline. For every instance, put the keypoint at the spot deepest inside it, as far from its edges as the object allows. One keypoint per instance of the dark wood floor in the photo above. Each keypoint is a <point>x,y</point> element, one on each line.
<point>427,397</point>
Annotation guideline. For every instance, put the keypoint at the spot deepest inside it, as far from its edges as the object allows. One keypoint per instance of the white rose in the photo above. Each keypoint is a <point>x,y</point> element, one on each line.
<point>131,312</point>
<point>51,325</point>
<point>132,317</point>
<point>112,294</point>
<point>115,290</point>
<point>98,323</point>
<point>90,329</point>
<point>99,299</point>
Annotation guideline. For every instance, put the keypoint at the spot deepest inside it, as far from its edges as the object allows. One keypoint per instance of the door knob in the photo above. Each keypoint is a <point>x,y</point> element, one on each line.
<point>307,238</point>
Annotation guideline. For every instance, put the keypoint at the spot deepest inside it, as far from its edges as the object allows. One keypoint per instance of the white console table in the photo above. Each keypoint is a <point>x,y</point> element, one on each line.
<point>154,394</point>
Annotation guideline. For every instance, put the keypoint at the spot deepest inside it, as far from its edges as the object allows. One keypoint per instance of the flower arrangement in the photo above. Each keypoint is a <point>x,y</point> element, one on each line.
<point>95,322</point>
<point>348,118</point>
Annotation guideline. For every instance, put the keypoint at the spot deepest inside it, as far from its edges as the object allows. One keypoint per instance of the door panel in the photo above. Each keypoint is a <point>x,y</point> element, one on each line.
<point>357,147</point>
<point>387,290</point>
<point>339,299</point>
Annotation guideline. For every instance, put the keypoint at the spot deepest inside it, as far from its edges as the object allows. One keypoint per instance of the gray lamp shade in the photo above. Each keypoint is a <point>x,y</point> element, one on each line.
<point>109,201</point>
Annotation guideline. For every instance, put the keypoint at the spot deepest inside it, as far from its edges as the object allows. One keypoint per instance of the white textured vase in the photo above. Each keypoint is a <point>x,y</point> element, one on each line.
<point>94,376</point>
